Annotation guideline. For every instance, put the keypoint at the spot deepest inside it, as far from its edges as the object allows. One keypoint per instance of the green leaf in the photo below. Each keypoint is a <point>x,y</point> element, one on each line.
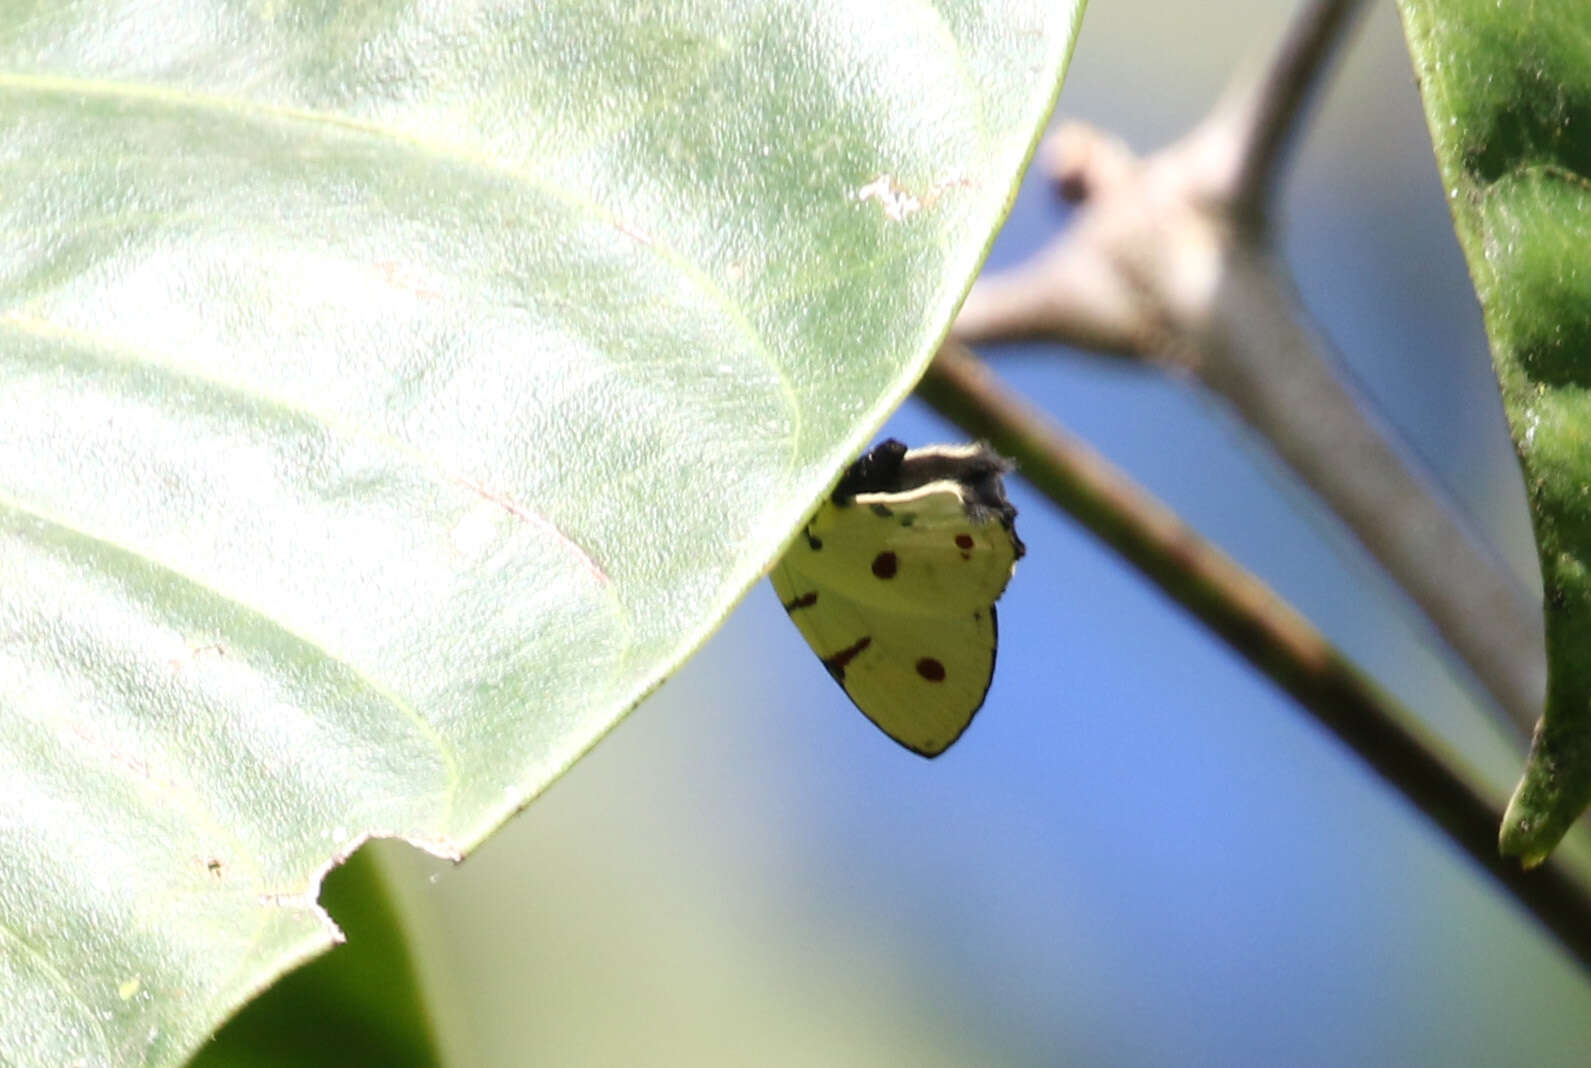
<point>362,1003</point>
<point>392,395</point>
<point>1507,91</point>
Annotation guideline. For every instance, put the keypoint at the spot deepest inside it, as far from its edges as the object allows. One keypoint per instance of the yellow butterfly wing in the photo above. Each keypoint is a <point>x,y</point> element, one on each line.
<point>893,582</point>
<point>919,677</point>
<point>916,552</point>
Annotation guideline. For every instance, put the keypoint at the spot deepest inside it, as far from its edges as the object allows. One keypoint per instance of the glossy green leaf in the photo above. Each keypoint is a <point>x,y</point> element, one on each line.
<point>392,394</point>
<point>1507,90</point>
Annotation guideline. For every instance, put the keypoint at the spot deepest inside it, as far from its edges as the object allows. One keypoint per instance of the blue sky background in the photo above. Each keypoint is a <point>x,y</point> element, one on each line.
<point>1140,853</point>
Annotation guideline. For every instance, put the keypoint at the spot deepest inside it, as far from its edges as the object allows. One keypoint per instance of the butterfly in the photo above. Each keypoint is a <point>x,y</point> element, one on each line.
<point>893,581</point>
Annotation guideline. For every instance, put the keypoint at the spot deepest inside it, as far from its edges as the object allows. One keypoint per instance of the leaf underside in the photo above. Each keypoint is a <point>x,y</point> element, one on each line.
<point>391,395</point>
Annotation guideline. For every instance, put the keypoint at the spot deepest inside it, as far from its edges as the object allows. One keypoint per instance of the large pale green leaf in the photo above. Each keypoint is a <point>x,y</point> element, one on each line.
<point>363,1004</point>
<point>391,394</point>
<point>1507,91</point>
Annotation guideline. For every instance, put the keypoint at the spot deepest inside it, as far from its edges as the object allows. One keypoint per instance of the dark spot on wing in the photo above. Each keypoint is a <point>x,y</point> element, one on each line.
<point>882,511</point>
<point>964,541</point>
<point>908,518</point>
<point>836,663</point>
<point>813,543</point>
<point>885,564</point>
<point>806,600</point>
<point>931,669</point>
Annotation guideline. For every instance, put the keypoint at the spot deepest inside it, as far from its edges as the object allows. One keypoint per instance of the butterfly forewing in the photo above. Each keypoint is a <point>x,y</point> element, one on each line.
<point>918,552</point>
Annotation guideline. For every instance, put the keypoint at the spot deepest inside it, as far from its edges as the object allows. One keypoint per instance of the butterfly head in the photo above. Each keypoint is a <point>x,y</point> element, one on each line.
<point>975,473</point>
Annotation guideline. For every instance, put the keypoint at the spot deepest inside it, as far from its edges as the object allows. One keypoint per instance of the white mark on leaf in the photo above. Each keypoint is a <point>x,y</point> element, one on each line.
<point>899,202</point>
<point>896,202</point>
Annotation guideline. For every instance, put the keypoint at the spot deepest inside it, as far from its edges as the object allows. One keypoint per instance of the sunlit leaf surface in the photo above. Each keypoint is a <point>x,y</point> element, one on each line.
<point>392,394</point>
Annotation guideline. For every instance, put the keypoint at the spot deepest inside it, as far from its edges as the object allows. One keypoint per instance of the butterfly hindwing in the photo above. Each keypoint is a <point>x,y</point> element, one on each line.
<point>919,678</point>
<point>893,583</point>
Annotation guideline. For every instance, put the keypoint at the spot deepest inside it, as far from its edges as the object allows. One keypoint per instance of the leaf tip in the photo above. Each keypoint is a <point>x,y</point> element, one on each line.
<point>1537,817</point>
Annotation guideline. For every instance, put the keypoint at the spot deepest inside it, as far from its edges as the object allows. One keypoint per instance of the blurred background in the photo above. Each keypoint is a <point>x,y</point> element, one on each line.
<point>1141,853</point>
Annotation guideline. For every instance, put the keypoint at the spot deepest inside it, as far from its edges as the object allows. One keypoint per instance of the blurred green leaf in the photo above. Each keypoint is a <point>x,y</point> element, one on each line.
<point>391,395</point>
<point>362,1003</point>
<point>1507,90</point>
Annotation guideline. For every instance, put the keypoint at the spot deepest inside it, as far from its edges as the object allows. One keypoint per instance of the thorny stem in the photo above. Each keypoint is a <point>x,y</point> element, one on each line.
<point>1266,117</point>
<point>1277,375</point>
<point>1167,261</point>
<point>1259,627</point>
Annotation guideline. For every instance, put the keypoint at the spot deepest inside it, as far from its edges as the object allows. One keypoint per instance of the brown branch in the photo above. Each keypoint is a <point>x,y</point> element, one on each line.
<point>1260,628</point>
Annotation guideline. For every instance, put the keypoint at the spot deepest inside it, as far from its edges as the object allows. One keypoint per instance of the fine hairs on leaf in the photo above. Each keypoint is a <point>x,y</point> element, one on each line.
<point>1505,99</point>
<point>392,396</point>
